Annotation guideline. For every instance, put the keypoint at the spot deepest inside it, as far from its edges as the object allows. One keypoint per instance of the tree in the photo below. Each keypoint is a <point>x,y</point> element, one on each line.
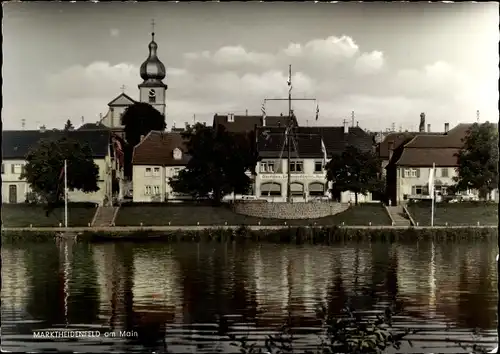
<point>69,126</point>
<point>354,171</point>
<point>44,167</point>
<point>217,166</point>
<point>478,160</point>
<point>138,120</point>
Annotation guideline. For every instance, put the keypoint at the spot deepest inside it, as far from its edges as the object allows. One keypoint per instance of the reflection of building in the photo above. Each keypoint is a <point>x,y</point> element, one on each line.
<point>14,283</point>
<point>157,284</point>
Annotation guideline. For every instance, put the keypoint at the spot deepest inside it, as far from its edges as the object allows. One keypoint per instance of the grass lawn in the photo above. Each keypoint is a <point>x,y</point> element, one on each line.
<point>22,215</point>
<point>188,214</point>
<point>455,213</point>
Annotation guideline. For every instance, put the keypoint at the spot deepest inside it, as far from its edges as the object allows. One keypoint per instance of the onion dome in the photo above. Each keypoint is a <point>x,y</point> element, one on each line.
<point>152,69</point>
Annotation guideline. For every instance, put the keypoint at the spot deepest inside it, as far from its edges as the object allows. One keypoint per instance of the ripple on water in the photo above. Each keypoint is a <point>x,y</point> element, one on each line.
<point>182,294</point>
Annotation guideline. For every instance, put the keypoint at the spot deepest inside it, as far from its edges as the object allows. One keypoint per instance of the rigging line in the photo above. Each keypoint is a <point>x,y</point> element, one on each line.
<point>281,153</point>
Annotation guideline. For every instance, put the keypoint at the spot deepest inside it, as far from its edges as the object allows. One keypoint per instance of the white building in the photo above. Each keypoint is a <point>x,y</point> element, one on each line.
<point>158,158</point>
<point>307,173</point>
<point>16,145</point>
<point>408,170</point>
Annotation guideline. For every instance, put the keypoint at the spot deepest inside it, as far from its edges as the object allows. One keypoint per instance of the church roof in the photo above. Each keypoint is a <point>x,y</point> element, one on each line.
<point>122,100</point>
<point>17,143</point>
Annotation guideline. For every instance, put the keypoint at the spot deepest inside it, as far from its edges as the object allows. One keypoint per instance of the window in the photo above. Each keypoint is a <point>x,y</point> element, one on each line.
<point>152,96</point>
<point>176,171</point>
<point>156,171</point>
<point>318,166</point>
<point>17,169</point>
<point>156,190</point>
<point>410,172</point>
<point>3,169</point>
<point>296,166</point>
<point>148,172</point>
<point>147,190</point>
<point>444,172</point>
<point>267,167</point>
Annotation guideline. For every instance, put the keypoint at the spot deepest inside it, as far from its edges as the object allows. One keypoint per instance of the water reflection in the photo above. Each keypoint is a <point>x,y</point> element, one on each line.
<point>178,296</point>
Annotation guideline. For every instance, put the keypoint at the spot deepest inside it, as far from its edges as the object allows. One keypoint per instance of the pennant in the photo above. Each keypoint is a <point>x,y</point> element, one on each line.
<point>317,112</point>
<point>431,181</point>
<point>323,150</point>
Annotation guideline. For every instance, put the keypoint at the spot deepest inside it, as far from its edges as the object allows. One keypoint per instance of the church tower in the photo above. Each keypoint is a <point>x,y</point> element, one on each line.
<point>152,90</point>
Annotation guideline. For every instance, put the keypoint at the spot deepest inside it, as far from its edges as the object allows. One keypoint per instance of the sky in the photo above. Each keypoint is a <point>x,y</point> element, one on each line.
<point>387,62</point>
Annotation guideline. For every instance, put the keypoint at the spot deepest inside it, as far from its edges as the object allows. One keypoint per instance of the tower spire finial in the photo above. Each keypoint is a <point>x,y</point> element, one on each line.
<point>153,28</point>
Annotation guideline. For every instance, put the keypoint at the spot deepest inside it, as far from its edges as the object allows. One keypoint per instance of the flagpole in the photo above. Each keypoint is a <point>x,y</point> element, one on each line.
<point>432,194</point>
<point>65,193</point>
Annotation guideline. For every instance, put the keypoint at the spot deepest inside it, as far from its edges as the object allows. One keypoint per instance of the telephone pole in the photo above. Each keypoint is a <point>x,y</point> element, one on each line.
<point>289,127</point>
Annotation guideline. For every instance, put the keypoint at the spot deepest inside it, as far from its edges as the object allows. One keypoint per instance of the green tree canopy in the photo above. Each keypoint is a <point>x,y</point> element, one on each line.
<point>138,120</point>
<point>354,171</point>
<point>69,126</point>
<point>217,166</point>
<point>478,160</point>
<point>45,163</point>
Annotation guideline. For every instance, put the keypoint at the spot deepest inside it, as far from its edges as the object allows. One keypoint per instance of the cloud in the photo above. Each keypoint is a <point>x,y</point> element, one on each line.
<point>334,70</point>
<point>115,32</point>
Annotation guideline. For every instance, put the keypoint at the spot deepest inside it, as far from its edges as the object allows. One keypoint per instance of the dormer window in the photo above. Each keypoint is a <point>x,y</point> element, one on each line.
<point>230,117</point>
<point>177,154</point>
<point>152,96</point>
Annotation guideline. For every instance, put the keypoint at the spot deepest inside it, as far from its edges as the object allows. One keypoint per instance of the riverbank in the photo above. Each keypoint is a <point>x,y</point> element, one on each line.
<point>262,233</point>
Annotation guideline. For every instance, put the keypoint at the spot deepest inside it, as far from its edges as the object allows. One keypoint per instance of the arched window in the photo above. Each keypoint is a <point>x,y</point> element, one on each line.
<point>270,189</point>
<point>316,189</point>
<point>296,189</point>
<point>152,96</point>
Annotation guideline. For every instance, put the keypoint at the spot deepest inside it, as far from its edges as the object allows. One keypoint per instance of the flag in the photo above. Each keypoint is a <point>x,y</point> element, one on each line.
<point>431,181</point>
<point>263,109</point>
<point>317,112</point>
<point>118,151</point>
<point>289,82</point>
<point>323,150</point>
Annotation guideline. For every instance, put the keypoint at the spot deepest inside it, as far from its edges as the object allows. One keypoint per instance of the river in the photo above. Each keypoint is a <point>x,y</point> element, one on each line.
<point>176,295</point>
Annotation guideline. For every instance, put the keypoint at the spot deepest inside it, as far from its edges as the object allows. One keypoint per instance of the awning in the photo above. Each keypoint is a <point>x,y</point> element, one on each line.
<point>296,187</point>
<point>270,187</point>
<point>316,187</point>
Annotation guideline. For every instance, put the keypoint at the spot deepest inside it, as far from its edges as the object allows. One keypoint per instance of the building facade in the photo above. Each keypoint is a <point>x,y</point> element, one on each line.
<point>307,173</point>
<point>17,144</point>
<point>158,158</point>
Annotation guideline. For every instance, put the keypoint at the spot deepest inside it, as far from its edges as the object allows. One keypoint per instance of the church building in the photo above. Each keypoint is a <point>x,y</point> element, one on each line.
<point>152,90</point>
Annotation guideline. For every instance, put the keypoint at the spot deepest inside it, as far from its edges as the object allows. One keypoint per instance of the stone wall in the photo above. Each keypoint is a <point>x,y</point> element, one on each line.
<point>289,210</point>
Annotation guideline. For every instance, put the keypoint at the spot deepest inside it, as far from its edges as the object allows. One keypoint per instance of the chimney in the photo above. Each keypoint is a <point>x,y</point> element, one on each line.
<point>421,128</point>
<point>246,112</point>
<point>391,149</point>
<point>346,127</point>
<point>446,127</point>
<point>42,129</point>
<point>204,124</point>
<point>428,128</point>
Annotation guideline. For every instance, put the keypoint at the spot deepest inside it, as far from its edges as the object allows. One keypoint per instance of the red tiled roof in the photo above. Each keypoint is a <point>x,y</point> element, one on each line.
<point>425,157</point>
<point>157,148</point>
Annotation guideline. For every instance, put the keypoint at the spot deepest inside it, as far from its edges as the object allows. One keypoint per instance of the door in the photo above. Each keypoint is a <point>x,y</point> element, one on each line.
<point>13,194</point>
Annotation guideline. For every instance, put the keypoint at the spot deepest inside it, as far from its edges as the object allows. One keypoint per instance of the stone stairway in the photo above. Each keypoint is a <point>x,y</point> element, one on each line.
<point>399,216</point>
<point>104,216</point>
